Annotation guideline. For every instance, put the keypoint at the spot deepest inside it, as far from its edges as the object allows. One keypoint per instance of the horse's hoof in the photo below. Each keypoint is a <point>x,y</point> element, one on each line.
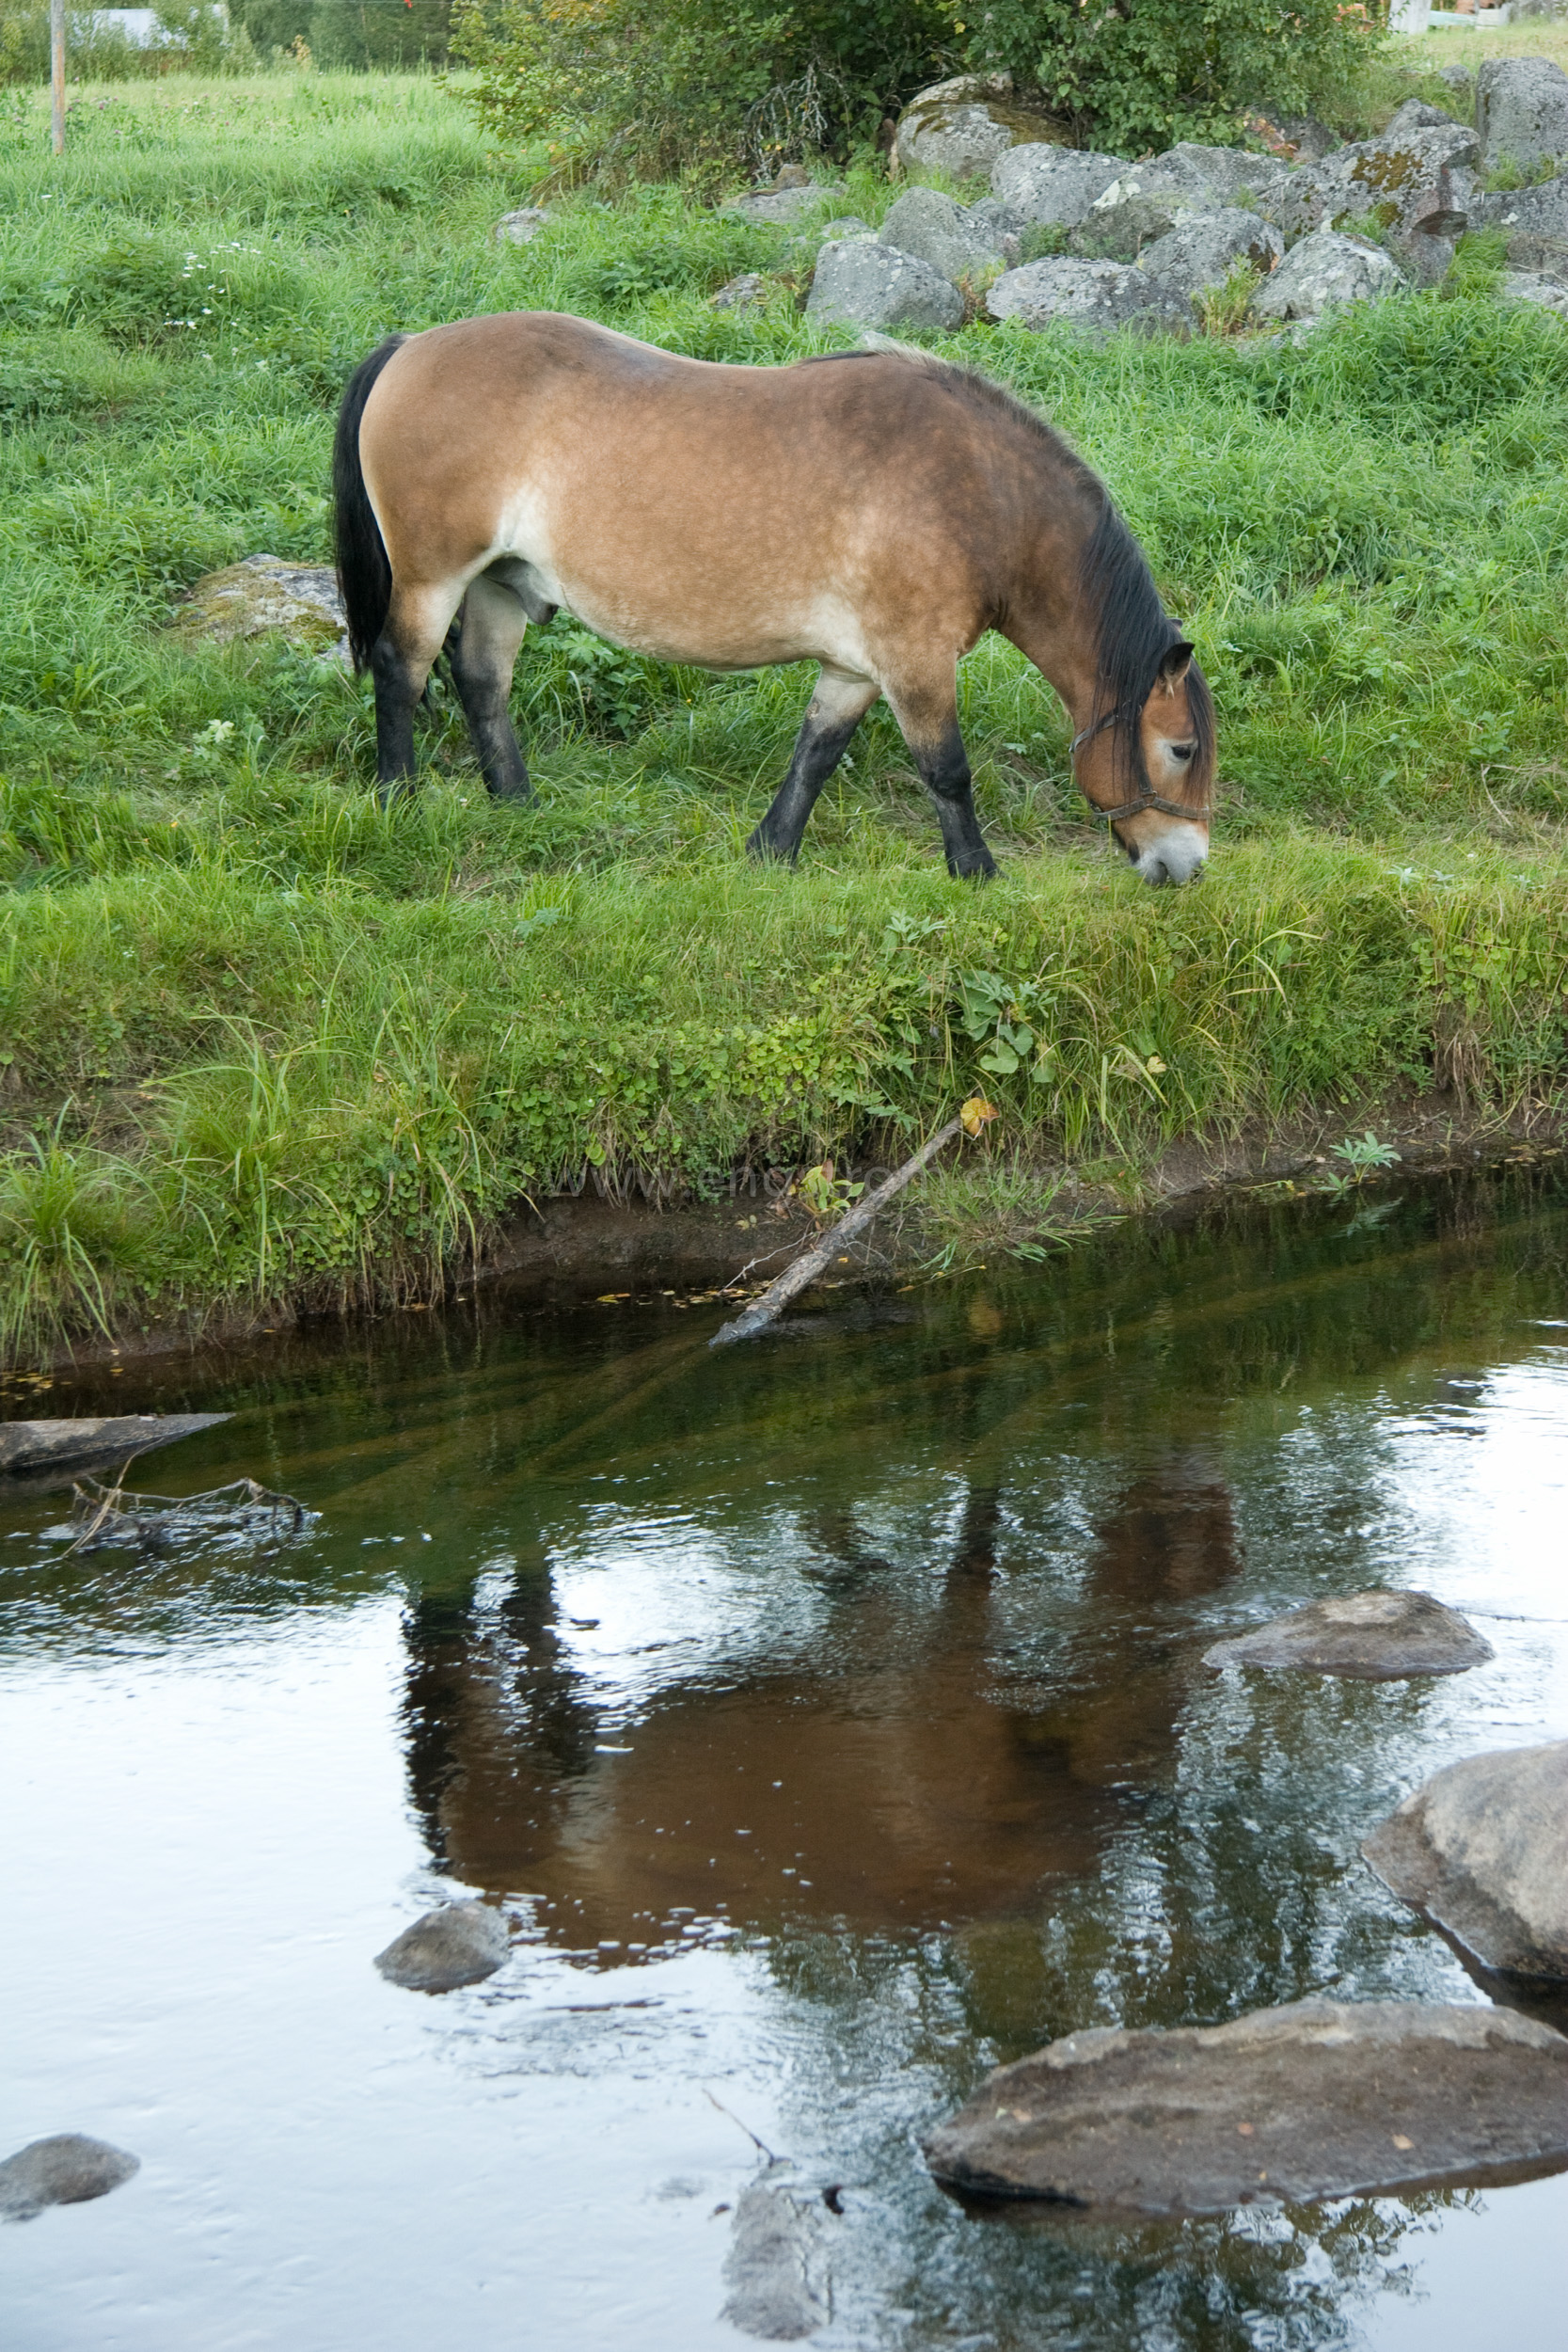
<point>765,852</point>
<point>399,788</point>
<point>518,793</point>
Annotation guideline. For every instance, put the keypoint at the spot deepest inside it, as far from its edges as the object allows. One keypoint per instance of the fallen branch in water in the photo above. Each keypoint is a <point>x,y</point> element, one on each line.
<point>110,1514</point>
<point>810,1264</point>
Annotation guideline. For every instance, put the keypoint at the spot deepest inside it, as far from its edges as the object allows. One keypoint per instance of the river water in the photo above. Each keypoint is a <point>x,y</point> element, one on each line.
<point>829,1716</point>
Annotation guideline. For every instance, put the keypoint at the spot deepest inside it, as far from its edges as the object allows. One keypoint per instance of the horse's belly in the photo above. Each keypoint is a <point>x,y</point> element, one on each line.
<point>745,640</point>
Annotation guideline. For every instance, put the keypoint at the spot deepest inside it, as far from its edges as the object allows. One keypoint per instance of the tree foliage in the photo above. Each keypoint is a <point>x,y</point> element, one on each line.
<point>1142,73</point>
<point>652,86</point>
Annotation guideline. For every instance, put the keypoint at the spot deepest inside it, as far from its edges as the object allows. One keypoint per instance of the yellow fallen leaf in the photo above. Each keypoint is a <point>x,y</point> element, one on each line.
<point>976,1112</point>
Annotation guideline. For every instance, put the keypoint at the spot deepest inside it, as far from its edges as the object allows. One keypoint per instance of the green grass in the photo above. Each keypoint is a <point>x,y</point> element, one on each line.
<point>258,1039</point>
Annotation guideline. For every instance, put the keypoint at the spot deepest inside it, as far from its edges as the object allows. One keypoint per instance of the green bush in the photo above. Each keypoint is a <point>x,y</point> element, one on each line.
<point>1148,73</point>
<point>649,87</point>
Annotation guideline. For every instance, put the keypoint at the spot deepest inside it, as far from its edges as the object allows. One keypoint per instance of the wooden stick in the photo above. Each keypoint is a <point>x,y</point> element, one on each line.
<point>57,75</point>
<point>806,1267</point>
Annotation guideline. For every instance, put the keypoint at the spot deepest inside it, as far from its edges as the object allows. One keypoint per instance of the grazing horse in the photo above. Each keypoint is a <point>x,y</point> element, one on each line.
<point>873,512</point>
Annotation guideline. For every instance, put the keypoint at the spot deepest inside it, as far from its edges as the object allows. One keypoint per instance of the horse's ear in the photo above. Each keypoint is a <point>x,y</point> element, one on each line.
<point>1175,664</point>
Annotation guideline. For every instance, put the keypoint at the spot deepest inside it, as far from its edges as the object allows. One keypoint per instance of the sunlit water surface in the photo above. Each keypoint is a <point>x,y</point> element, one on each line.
<point>829,1716</point>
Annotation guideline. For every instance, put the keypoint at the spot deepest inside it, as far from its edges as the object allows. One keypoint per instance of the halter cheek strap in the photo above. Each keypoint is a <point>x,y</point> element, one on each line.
<point>1147,798</point>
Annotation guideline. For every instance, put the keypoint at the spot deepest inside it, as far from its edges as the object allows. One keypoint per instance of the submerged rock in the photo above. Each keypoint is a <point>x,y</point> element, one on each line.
<point>31,1445</point>
<point>1313,2100</point>
<point>1482,1850</point>
<point>1324,272</point>
<point>1094,298</point>
<point>458,1943</point>
<point>261,596</point>
<point>65,2170</point>
<point>863,282</point>
<point>773,2271</point>
<point>1365,1637</point>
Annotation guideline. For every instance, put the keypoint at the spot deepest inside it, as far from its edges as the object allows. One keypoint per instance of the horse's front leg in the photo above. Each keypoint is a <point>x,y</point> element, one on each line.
<point>835,710</point>
<point>410,638</point>
<point>929,725</point>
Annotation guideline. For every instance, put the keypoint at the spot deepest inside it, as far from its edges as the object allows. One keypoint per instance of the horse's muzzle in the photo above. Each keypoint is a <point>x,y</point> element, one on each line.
<point>1176,856</point>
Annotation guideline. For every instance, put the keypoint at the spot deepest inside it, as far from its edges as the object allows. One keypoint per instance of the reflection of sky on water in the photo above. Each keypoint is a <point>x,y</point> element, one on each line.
<point>224,1794</point>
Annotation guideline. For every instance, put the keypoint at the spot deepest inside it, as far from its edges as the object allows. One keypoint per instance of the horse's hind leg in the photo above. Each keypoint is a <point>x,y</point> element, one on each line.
<point>929,722</point>
<point>835,710</point>
<point>411,637</point>
<point>483,649</point>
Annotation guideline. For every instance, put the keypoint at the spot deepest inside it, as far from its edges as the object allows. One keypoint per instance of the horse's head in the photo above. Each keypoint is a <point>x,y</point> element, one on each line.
<point>1148,767</point>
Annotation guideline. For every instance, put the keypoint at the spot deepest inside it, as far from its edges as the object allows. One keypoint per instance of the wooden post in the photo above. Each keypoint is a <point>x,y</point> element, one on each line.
<point>56,70</point>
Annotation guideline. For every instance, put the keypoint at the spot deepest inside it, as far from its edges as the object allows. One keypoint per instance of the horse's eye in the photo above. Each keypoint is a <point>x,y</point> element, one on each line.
<point>1182,751</point>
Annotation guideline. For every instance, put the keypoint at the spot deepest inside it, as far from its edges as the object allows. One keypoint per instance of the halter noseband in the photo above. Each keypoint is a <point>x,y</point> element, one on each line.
<point>1148,797</point>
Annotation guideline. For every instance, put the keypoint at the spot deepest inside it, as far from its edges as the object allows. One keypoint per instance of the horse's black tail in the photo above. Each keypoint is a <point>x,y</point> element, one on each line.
<point>364,575</point>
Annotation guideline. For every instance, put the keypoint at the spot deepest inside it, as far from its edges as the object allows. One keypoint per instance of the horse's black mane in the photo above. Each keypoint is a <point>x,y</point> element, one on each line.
<point>1133,630</point>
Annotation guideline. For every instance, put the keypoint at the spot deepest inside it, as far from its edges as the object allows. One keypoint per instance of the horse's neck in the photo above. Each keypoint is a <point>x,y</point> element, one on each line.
<point>1047,617</point>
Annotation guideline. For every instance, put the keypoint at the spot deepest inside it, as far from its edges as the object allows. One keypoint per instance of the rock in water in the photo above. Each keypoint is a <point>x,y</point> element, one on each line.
<point>863,282</point>
<point>67,2170</point>
<point>31,1445</point>
<point>264,595</point>
<point>1317,2098</point>
<point>459,1944</point>
<point>1483,1849</point>
<point>772,2267</point>
<point>1365,1637</point>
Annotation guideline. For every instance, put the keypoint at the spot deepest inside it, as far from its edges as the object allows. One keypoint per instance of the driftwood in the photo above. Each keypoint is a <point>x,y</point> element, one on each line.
<point>811,1261</point>
<point>109,1515</point>
<point>26,1445</point>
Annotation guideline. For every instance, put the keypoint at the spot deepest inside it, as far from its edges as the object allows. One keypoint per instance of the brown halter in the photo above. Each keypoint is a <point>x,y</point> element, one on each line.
<point>1148,797</point>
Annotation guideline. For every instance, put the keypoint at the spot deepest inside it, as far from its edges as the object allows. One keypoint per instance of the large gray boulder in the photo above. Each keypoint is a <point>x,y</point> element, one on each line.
<point>1535,223</point>
<point>1324,272</point>
<point>1522,112</point>
<point>1314,2100</point>
<point>1147,201</point>
<point>1363,1637</point>
<point>1483,1849</point>
<point>1206,248</point>
<point>1053,186</point>
<point>1093,299</point>
<point>962,127</point>
<point>946,234</point>
<point>1540,292</point>
<point>65,2169</point>
<point>1415,181</point>
<point>863,282</point>
<point>458,1943</point>
<point>774,2272</point>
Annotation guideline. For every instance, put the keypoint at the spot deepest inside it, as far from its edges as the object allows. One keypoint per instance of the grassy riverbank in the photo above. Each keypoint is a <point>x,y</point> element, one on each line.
<point>258,1039</point>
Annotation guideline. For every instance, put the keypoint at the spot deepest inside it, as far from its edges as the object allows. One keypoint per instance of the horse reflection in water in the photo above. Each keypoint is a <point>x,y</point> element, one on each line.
<point>909,1778</point>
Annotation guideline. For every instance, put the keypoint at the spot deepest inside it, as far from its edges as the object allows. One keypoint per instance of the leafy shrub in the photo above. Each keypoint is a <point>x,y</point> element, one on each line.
<point>1150,71</point>
<point>648,88</point>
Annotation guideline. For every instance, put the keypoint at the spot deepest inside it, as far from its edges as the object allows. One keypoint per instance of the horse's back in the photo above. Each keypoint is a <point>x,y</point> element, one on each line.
<point>707,512</point>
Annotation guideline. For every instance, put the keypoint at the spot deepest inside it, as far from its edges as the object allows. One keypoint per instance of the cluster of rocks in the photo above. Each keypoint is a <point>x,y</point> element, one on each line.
<point>1321,2098</point>
<point>1139,245</point>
